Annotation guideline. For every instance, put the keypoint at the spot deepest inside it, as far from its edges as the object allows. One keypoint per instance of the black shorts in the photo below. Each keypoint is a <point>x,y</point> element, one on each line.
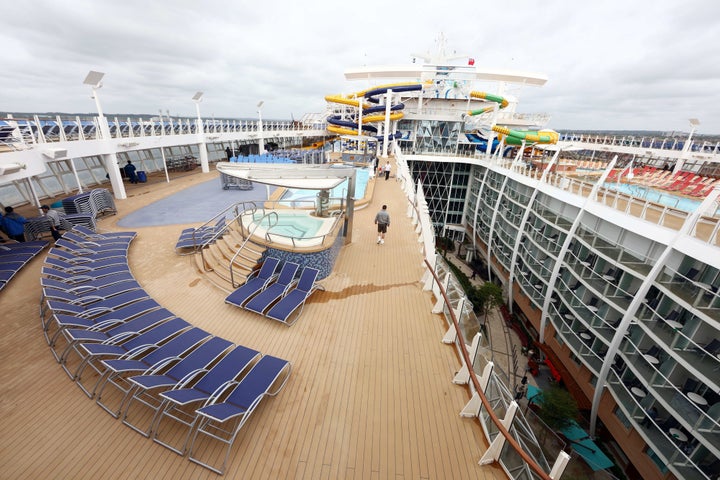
<point>382,227</point>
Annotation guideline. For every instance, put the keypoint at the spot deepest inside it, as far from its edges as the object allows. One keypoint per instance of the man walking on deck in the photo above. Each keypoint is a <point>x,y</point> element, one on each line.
<point>387,170</point>
<point>382,220</point>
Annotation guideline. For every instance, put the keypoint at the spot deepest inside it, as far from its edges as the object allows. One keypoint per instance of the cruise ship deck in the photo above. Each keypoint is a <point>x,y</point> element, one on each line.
<point>370,394</point>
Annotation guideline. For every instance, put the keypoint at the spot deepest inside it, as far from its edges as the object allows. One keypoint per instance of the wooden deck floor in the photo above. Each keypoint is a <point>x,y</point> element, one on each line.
<point>370,395</point>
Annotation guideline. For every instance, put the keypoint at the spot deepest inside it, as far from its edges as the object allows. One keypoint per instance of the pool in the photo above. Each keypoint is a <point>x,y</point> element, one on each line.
<point>293,227</point>
<point>295,196</point>
<point>657,196</point>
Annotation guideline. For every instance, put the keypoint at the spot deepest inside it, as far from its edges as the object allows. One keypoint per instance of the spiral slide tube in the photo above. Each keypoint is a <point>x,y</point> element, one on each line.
<point>516,137</point>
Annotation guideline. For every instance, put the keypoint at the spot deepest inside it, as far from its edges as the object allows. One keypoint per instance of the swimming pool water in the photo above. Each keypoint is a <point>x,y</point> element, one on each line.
<point>361,181</point>
<point>657,196</point>
<point>292,224</point>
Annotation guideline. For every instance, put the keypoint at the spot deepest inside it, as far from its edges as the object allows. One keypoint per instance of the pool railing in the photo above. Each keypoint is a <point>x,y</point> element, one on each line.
<point>249,224</point>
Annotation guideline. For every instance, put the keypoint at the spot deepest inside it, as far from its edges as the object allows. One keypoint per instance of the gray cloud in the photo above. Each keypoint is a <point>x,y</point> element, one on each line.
<point>611,65</point>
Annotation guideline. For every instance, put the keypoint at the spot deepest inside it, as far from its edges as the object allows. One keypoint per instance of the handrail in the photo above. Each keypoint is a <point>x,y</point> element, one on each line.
<point>247,239</point>
<point>476,383</point>
<point>219,233</point>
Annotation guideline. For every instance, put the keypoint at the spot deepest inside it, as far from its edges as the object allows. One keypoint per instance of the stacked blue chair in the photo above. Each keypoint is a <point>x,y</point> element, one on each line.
<point>14,256</point>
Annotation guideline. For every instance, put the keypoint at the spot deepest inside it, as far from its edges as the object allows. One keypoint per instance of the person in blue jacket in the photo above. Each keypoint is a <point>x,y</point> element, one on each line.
<point>130,172</point>
<point>14,224</point>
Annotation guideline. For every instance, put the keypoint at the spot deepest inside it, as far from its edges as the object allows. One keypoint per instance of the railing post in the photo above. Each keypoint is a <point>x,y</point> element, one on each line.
<point>462,377</point>
<point>472,408</point>
<point>559,466</point>
<point>492,454</point>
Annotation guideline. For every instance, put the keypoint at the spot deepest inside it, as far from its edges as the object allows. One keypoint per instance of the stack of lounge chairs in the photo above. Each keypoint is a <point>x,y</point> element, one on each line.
<point>279,296</point>
<point>14,256</point>
<point>142,363</point>
<point>192,239</point>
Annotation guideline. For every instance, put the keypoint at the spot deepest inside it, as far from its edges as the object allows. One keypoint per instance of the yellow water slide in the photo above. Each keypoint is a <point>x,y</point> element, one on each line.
<point>502,101</point>
<point>372,111</point>
<point>516,137</point>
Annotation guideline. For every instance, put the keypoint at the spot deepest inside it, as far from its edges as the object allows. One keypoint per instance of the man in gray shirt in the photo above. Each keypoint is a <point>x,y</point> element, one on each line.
<point>382,220</point>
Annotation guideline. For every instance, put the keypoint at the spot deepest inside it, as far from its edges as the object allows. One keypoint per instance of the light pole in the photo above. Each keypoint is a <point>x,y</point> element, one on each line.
<point>694,122</point>
<point>202,146</point>
<point>94,79</point>
<point>197,98</point>
<point>261,143</point>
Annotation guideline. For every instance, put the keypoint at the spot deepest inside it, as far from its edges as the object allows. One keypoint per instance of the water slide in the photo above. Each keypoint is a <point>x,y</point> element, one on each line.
<point>372,110</point>
<point>490,97</point>
<point>516,137</point>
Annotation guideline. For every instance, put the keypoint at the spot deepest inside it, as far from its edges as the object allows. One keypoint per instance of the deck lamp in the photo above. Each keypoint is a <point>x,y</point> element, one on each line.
<point>197,98</point>
<point>261,144</point>
<point>94,79</point>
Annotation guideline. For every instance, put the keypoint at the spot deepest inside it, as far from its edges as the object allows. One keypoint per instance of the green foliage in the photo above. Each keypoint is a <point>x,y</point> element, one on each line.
<point>491,296</point>
<point>471,292</point>
<point>444,245</point>
<point>558,408</point>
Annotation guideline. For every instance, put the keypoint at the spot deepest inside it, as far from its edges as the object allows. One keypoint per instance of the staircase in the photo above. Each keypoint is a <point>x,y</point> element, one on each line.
<point>214,260</point>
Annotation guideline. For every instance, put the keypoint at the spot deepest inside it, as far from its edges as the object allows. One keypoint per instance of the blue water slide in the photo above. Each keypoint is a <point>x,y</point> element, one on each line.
<point>381,108</point>
<point>335,120</point>
<point>398,88</point>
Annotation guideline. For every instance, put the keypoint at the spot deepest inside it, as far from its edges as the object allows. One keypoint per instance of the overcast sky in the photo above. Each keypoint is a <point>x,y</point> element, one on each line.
<point>630,64</point>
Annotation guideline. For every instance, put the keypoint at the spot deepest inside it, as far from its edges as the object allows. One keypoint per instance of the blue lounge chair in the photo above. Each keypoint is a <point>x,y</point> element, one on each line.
<point>175,401</point>
<point>290,306</point>
<point>87,266</point>
<point>91,309</point>
<point>122,332</point>
<point>93,353</point>
<point>73,257</point>
<point>82,295</point>
<point>262,301</point>
<point>196,237</point>
<point>111,243</point>
<point>146,387</point>
<point>89,233</point>
<point>267,377</point>
<point>105,320</point>
<point>86,298</point>
<point>257,281</point>
<point>154,360</point>
<point>84,250</point>
<point>83,270</point>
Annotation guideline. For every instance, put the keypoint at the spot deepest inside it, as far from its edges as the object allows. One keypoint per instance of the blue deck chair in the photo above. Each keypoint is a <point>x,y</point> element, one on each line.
<point>262,301</point>
<point>16,257</point>
<point>80,250</point>
<point>93,353</point>
<point>154,360</point>
<point>85,298</point>
<point>83,295</point>
<point>14,266</point>
<point>100,272</point>
<point>123,331</point>
<point>289,308</point>
<point>146,387</point>
<point>112,243</point>
<point>72,257</point>
<point>223,420</point>
<point>175,402</point>
<point>104,320</point>
<point>85,282</point>
<point>84,266</point>
<point>89,233</point>
<point>88,308</point>
<point>256,281</point>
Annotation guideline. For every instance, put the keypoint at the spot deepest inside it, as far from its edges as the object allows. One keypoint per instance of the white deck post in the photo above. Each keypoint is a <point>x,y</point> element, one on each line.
<point>493,452</point>
<point>472,408</point>
<point>440,304</point>
<point>463,375</point>
<point>451,333</point>
<point>559,466</point>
